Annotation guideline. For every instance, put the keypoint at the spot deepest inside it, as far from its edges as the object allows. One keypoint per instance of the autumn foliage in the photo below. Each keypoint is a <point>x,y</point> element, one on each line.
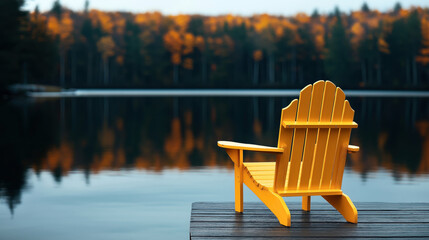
<point>365,48</point>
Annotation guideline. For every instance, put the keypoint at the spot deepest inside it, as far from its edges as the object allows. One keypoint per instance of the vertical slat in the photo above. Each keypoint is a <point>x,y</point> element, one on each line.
<point>322,136</point>
<point>298,138</point>
<point>332,140</point>
<point>343,142</point>
<point>310,139</point>
<point>285,142</point>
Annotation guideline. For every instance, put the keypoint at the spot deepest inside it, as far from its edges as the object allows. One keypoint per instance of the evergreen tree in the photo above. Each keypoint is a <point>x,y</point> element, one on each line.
<point>38,51</point>
<point>11,16</point>
<point>365,8</point>
<point>338,62</point>
<point>397,8</point>
<point>57,9</point>
<point>315,14</point>
<point>404,42</point>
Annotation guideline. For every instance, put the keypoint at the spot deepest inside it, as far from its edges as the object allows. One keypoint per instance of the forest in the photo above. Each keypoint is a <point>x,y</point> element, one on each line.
<point>91,48</point>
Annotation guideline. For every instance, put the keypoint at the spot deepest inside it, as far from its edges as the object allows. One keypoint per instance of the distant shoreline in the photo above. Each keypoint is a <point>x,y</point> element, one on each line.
<point>215,93</point>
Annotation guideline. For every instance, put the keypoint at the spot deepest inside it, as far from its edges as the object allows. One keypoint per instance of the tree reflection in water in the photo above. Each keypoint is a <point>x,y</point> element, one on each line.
<point>96,134</point>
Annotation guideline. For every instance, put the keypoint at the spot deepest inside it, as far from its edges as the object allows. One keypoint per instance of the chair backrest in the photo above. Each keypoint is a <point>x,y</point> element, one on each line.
<point>314,132</point>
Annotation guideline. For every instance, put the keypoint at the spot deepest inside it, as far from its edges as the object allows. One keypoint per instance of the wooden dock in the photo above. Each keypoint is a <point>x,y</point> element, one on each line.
<point>376,220</point>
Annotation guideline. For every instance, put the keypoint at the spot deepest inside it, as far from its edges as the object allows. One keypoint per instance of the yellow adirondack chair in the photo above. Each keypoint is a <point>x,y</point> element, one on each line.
<point>310,155</point>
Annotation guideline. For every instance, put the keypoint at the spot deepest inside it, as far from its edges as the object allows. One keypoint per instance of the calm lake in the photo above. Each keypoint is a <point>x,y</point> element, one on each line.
<point>130,167</point>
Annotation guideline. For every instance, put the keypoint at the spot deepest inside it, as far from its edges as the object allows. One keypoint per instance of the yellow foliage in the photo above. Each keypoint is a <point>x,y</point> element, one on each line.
<point>106,47</point>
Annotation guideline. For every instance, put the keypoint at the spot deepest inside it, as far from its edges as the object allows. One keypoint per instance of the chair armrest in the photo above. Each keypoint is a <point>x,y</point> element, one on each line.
<point>250,147</point>
<point>352,149</point>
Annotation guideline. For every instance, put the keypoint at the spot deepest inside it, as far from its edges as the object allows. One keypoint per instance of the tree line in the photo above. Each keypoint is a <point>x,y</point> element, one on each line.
<point>92,48</point>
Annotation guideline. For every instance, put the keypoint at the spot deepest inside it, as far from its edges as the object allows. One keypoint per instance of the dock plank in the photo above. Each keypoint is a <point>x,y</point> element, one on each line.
<point>376,220</point>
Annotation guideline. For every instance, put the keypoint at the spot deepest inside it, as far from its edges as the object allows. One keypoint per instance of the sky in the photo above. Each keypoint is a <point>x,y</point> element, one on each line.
<point>219,7</point>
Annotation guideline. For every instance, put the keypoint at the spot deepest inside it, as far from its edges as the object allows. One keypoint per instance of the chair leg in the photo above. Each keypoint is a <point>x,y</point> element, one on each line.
<point>272,200</point>
<point>238,172</point>
<point>237,157</point>
<point>344,205</point>
<point>306,203</point>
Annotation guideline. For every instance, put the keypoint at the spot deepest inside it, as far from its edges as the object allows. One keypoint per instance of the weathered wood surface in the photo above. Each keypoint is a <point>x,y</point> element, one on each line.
<point>376,220</point>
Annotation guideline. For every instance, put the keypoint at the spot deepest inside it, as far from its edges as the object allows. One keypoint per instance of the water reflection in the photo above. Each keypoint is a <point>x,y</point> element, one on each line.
<point>96,134</point>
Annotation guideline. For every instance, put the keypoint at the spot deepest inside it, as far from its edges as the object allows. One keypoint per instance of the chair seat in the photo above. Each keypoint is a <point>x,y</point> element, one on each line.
<point>262,174</point>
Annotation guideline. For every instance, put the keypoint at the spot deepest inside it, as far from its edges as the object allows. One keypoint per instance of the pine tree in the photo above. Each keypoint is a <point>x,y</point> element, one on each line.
<point>365,8</point>
<point>11,16</point>
<point>338,62</point>
<point>57,9</point>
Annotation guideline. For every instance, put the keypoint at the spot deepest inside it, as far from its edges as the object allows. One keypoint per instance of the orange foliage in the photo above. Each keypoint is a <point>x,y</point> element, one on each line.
<point>257,55</point>
<point>302,18</point>
<point>173,43</point>
<point>102,19</point>
<point>383,46</point>
<point>182,22</point>
<point>181,142</point>
<point>318,30</point>
<point>53,25</point>
<point>424,51</point>
<point>61,157</point>
<point>119,24</point>
<point>188,63</point>
<point>267,33</point>
<point>106,47</point>
<point>200,43</point>
<point>221,46</point>
<point>358,34</point>
<point>173,143</point>
<point>120,59</point>
<point>63,29</point>
<point>176,58</point>
<point>151,21</point>
<point>423,129</point>
<point>188,43</point>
